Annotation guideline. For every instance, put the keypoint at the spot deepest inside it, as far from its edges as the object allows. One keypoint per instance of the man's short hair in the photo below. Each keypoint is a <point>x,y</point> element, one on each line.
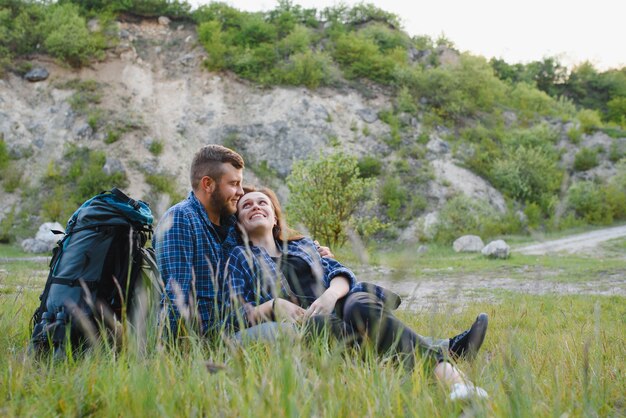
<point>209,161</point>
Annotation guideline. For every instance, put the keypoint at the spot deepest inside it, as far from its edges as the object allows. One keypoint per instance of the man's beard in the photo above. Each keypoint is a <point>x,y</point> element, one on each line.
<point>219,202</point>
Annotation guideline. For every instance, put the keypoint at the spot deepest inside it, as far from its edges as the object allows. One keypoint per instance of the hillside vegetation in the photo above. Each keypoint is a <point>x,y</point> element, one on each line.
<point>529,129</point>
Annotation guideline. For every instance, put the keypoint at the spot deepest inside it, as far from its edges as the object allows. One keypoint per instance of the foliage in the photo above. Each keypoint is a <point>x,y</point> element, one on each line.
<point>462,215</point>
<point>588,201</point>
<point>527,174</point>
<point>589,120</point>
<point>309,69</point>
<point>460,90</point>
<point>4,154</point>
<point>394,196</point>
<point>77,178</point>
<point>369,166</point>
<point>585,159</point>
<point>156,147</point>
<point>164,183</point>
<point>324,196</point>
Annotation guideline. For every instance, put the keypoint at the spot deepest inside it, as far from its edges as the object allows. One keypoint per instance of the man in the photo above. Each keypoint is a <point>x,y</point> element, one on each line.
<point>195,236</point>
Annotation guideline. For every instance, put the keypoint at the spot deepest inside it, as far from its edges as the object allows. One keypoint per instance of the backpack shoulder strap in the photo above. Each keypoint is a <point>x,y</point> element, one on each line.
<point>124,198</point>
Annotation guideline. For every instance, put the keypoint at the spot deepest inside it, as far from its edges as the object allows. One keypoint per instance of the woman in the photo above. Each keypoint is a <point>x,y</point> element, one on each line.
<point>279,276</point>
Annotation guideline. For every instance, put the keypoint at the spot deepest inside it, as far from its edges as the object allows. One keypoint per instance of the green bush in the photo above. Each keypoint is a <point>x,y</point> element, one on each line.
<point>369,167</point>
<point>588,201</point>
<point>527,174</point>
<point>210,36</point>
<point>616,110</point>
<point>76,178</point>
<point>310,69</point>
<point>460,90</point>
<point>324,196</point>
<point>164,183</point>
<point>394,197</point>
<point>4,154</point>
<point>615,152</point>
<point>574,135</point>
<point>462,215</point>
<point>156,147</point>
<point>589,120</point>
<point>361,58</point>
<point>66,36</point>
<point>530,103</point>
<point>585,159</point>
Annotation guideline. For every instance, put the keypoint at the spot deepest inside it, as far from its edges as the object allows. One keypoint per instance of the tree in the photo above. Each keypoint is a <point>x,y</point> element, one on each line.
<point>324,195</point>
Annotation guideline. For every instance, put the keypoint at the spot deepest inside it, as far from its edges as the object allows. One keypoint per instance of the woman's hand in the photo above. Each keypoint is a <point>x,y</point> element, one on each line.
<point>323,305</point>
<point>286,310</point>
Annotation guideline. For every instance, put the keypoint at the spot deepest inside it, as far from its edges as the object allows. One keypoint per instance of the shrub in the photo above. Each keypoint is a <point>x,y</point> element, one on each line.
<point>67,36</point>
<point>156,147</point>
<point>324,195</point>
<point>529,102</point>
<point>77,178</point>
<point>369,166</point>
<point>574,135</point>
<point>310,69</point>
<point>4,154</point>
<point>210,36</point>
<point>533,214</point>
<point>588,201</point>
<point>615,152</point>
<point>361,58</point>
<point>462,215</point>
<point>527,174</point>
<point>394,196</point>
<point>164,183</point>
<point>616,110</point>
<point>589,120</point>
<point>585,159</point>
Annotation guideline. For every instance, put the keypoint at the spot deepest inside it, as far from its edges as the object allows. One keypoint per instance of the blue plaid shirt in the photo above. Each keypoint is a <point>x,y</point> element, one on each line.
<point>191,257</point>
<point>253,277</point>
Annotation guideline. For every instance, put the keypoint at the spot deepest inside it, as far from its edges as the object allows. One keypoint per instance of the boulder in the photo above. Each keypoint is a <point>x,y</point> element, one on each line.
<point>164,20</point>
<point>468,244</point>
<point>112,166</point>
<point>37,74</point>
<point>367,115</point>
<point>94,25</point>
<point>497,249</point>
<point>44,240</point>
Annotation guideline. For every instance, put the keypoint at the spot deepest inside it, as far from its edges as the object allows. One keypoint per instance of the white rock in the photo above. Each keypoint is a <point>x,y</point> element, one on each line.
<point>468,244</point>
<point>497,249</point>
<point>45,240</point>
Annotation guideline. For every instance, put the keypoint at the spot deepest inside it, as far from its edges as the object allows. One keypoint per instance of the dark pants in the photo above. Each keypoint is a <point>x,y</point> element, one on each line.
<point>362,317</point>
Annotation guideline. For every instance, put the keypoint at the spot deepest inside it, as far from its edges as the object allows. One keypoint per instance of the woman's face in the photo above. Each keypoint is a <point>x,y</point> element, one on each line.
<point>255,213</point>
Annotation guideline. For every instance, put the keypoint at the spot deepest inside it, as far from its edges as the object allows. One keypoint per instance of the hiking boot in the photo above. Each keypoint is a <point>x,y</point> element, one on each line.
<point>467,343</point>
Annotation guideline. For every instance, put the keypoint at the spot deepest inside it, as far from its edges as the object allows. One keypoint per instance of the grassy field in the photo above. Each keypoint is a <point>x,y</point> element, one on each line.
<point>546,355</point>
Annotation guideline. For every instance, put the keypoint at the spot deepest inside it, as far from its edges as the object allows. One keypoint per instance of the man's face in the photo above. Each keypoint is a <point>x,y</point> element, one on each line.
<point>228,190</point>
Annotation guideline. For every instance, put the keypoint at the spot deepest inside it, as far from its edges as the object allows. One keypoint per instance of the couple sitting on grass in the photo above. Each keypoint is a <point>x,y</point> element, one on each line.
<point>226,254</point>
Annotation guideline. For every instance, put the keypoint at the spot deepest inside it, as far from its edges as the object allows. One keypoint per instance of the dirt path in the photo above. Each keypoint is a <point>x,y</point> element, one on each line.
<point>574,243</point>
<point>456,292</point>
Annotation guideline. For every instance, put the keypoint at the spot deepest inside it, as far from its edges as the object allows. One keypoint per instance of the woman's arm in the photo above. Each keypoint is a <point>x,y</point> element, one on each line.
<point>324,305</point>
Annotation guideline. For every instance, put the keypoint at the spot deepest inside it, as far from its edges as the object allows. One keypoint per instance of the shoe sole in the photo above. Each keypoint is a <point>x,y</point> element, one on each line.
<point>477,335</point>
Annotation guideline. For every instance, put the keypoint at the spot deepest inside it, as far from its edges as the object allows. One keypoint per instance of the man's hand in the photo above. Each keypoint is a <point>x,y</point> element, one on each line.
<point>286,310</point>
<point>323,305</point>
<point>324,251</point>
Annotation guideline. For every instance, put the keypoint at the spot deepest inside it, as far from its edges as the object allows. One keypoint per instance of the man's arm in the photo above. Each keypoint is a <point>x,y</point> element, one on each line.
<point>174,249</point>
<point>323,251</point>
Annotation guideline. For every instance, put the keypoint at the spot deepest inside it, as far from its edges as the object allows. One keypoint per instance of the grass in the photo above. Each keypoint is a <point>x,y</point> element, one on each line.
<point>550,355</point>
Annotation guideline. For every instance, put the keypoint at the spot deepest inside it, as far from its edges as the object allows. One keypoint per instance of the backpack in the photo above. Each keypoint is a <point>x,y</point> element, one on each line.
<point>96,272</point>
